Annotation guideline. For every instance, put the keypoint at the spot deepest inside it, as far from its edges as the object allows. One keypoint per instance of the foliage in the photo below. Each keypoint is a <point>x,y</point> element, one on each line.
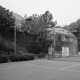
<point>6,19</point>
<point>73,26</point>
<point>59,43</point>
<point>21,57</point>
<point>37,24</point>
<point>41,55</point>
<point>3,58</point>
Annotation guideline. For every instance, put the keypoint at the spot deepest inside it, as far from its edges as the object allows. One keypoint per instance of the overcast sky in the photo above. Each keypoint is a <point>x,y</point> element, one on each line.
<point>64,11</point>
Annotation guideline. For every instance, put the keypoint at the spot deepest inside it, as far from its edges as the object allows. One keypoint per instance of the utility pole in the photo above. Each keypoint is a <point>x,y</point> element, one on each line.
<point>15,39</point>
<point>54,42</point>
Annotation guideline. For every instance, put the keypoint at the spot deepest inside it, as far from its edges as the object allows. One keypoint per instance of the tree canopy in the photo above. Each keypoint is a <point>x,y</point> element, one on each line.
<point>6,18</point>
<point>38,23</point>
<point>73,26</point>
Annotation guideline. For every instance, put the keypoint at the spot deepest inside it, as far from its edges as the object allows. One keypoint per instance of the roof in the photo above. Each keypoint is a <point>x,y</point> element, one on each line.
<point>61,31</point>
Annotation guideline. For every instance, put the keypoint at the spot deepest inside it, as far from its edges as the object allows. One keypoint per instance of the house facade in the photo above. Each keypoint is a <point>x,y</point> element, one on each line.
<point>63,42</point>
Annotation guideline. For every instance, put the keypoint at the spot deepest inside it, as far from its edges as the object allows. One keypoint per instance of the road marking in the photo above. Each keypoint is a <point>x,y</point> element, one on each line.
<point>70,70</point>
<point>40,67</point>
<point>52,61</point>
<point>45,67</point>
<point>55,68</point>
<point>13,66</point>
<point>71,66</point>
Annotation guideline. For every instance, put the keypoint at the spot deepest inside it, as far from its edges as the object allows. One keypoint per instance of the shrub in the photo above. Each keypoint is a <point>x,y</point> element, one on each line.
<point>41,55</point>
<point>21,57</point>
<point>3,58</point>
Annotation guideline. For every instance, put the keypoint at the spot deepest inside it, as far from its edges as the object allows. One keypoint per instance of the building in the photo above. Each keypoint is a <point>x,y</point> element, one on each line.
<point>77,34</point>
<point>67,41</point>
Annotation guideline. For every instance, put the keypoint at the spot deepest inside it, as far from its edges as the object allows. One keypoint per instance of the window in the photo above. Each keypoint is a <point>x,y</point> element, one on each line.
<point>63,38</point>
<point>71,40</point>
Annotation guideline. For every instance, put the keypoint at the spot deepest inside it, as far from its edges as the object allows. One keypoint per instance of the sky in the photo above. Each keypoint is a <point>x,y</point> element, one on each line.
<point>64,11</point>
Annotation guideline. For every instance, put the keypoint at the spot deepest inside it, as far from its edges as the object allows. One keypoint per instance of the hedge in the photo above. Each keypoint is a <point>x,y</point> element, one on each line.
<point>41,55</point>
<point>3,58</point>
<point>21,57</point>
<point>16,57</point>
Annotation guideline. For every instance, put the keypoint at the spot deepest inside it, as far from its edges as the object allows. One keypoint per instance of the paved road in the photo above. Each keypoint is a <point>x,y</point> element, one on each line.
<point>40,70</point>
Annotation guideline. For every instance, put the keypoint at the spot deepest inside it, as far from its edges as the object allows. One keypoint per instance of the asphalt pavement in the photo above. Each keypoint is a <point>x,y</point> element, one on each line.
<point>40,69</point>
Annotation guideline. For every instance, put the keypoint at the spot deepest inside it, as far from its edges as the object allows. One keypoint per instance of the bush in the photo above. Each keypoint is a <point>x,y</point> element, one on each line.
<point>21,57</point>
<point>3,58</point>
<point>41,55</point>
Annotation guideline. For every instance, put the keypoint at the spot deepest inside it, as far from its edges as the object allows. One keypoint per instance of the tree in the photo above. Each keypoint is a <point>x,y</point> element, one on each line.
<point>37,24</point>
<point>6,19</point>
<point>6,31</point>
<point>75,28</point>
